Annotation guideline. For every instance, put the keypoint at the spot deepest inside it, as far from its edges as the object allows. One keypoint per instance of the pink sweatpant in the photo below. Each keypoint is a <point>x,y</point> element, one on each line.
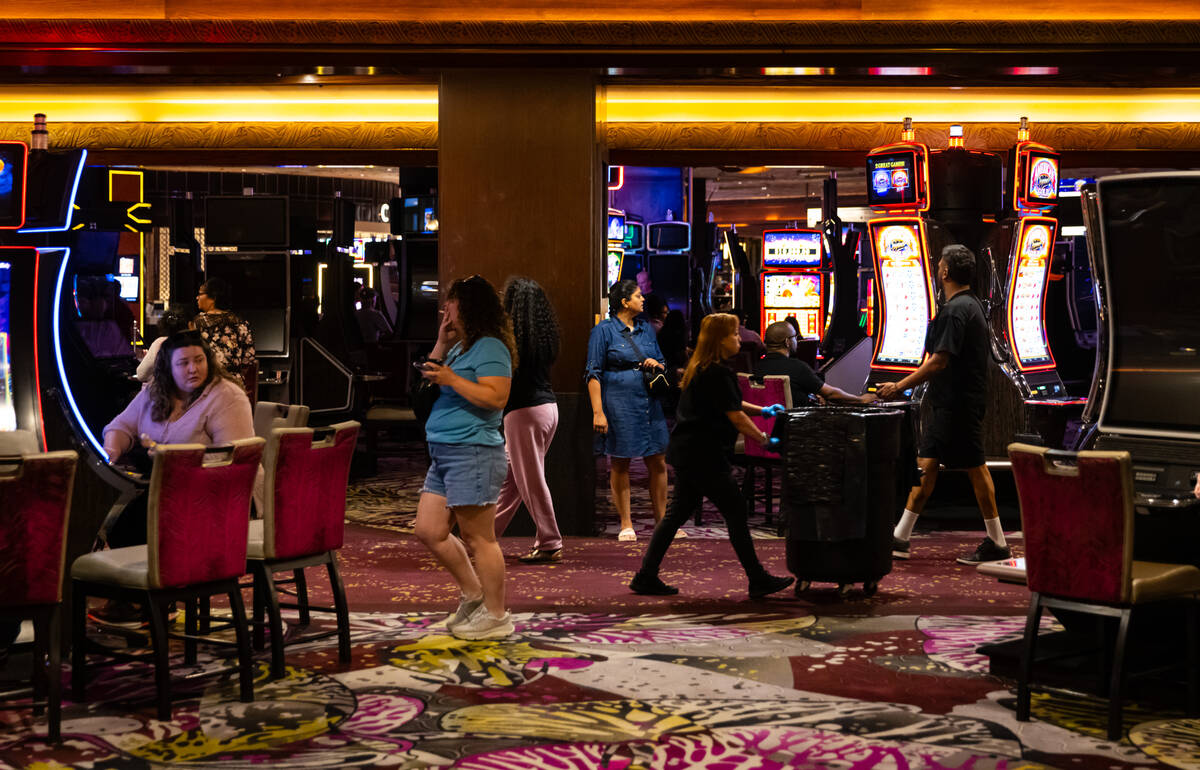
<point>527,436</point>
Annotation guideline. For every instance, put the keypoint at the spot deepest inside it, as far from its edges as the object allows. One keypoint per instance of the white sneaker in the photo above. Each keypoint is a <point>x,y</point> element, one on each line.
<point>680,533</point>
<point>484,625</point>
<point>627,535</point>
<point>459,616</point>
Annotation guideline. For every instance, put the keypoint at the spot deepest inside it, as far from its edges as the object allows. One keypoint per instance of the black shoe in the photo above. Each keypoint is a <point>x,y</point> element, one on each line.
<point>118,613</point>
<point>900,548</point>
<point>769,584</point>
<point>539,556</point>
<point>651,586</point>
<point>987,551</point>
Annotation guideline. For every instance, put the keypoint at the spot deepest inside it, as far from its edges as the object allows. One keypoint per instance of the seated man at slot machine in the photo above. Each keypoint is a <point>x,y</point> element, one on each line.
<point>780,339</point>
<point>958,345</point>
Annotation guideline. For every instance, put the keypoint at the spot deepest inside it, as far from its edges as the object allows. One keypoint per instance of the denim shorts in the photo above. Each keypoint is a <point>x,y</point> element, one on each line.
<point>466,474</point>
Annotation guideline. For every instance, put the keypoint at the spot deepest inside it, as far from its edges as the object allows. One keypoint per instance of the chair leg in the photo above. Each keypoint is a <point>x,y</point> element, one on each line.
<point>38,663</point>
<point>271,600</point>
<point>1033,622</point>
<point>1118,673</point>
<point>259,607</point>
<point>343,610</point>
<point>78,641</point>
<point>302,597</point>
<point>156,608</point>
<point>205,615</point>
<point>245,664</point>
<point>54,640</point>
<point>1193,657</point>
<point>191,623</point>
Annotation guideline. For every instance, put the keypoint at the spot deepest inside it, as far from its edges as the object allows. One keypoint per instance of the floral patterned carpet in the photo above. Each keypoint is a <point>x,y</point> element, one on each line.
<point>597,677</point>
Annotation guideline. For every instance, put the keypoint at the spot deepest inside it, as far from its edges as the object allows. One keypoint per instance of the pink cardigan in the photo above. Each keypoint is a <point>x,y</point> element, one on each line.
<point>220,415</point>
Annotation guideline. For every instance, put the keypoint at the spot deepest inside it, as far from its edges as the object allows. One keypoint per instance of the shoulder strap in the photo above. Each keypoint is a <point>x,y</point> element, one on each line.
<point>636,348</point>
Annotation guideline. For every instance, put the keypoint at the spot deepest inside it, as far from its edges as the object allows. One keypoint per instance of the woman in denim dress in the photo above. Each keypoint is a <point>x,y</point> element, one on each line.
<point>622,409</point>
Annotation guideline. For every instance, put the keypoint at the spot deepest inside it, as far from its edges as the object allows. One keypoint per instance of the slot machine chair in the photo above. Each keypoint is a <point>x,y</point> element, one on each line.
<point>1084,501</point>
<point>35,497</point>
<point>302,525</point>
<point>761,391</point>
<point>197,521</point>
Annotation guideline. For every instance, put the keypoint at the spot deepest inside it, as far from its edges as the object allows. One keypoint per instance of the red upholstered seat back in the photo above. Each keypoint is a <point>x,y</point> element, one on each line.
<point>1077,516</point>
<point>199,512</point>
<point>306,490</point>
<point>774,389</point>
<point>35,497</point>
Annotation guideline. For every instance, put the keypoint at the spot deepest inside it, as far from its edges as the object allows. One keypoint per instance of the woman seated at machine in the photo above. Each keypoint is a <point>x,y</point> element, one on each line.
<point>190,399</point>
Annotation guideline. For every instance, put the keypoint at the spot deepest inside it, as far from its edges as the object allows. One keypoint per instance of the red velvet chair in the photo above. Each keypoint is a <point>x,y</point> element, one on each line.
<point>763,391</point>
<point>302,526</point>
<point>1077,517</point>
<point>198,518</point>
<point>35,497</point>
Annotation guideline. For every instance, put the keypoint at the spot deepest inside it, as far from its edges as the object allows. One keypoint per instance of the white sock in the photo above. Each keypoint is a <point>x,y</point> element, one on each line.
<point>994,531</point>
<point>904,529</point>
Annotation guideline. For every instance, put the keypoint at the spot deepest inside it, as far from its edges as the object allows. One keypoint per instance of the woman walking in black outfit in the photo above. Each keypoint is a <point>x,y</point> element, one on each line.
<point>710,415</point>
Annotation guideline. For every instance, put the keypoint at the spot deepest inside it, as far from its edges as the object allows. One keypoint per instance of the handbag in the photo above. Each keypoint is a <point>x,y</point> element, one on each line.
<point>656,382</point>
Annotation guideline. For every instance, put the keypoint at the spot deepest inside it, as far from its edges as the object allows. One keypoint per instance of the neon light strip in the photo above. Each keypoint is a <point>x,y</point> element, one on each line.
<point>37,344</point>
<point>70,206</point>
<point>23,181</point>
<point>62,370</point>
<point>370,274</point>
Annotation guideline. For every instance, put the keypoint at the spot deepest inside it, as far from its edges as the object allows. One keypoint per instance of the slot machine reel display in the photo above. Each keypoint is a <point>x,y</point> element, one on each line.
<point>903,276</point>
<point>793,282</point>
<point>1027,294</point>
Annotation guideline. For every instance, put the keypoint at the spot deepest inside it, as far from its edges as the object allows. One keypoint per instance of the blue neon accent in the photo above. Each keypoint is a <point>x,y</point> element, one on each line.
<point>62,370</point>
<point>70,204</point>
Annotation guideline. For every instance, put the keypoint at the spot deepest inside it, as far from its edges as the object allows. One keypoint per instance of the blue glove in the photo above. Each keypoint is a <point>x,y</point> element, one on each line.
<point>773,445</point>
<point>774,410</point>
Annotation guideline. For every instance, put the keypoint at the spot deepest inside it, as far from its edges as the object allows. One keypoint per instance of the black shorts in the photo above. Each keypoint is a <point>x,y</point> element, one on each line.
<point>954,438</point>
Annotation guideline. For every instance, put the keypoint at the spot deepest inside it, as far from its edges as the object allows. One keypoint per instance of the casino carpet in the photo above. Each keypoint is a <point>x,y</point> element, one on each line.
<point>596,677</point>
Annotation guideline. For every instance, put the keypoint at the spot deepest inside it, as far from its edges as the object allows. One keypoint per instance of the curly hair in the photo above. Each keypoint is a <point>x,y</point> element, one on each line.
<point>481,313</point>
<point>162,389</point>
<point>713,329</point>
<point>534,323</point>
<point>960,263</point>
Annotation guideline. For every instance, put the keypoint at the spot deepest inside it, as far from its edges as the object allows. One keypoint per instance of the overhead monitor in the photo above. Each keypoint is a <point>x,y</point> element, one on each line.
<point>792,248</point>
<point>669,236</point>
<point>635,235</point>
<point>905,290</point>
<point>616,226</point>
<point>1150,227</point>
<point>13,161</point>
<point>1035,177</point>
<point>897,177</point>
<point>1030,269</point>
<point>50,190</point>
<point>246,221</point>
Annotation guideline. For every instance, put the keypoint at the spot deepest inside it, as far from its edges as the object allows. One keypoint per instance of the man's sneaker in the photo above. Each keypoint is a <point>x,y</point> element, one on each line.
<point>769,584</point>
<point>484,625</point>
<point>900,548</point>
<point>987,551</point>
<point>459,616</point>
<point>651,586</point>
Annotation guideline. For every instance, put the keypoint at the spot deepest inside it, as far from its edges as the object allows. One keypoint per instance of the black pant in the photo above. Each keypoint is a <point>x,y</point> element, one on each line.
<point>692,485</point>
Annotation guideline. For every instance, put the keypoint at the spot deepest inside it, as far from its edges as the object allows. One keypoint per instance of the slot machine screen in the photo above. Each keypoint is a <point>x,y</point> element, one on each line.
<point>1151,228</point>
<point>1041,187</point>
<point>127,287</point>
<point>635,236</point>
<point>791,290</point>
<point>616,227</point>
<point>904,286</point>
<point>792,248</point>
<point>12,184</point>
<point>8,413</point>
<point>1027,291</point>
<point>669,236</point>
<point>613,265</point>
<point>892,179</point>
<point>252,221</point>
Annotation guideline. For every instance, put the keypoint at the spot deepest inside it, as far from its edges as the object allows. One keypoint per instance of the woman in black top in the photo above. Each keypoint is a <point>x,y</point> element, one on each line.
<point>710,415</point>
<point>530,418</point>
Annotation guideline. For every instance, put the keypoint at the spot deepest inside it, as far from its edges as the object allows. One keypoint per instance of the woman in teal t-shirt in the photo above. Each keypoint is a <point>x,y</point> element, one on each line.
<point>472,362</point>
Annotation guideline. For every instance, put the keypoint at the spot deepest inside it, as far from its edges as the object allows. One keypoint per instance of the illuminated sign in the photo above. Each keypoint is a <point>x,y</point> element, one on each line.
<point>792,248</point>
<point>1027,294</point>
<point>898,177</point>
<point>907,297</point>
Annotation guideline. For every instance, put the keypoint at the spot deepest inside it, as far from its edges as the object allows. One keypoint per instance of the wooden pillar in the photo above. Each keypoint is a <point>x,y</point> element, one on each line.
<point>520,192</point>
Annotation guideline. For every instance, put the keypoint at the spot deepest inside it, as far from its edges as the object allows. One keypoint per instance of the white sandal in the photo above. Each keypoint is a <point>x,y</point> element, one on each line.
<point>627,534</point>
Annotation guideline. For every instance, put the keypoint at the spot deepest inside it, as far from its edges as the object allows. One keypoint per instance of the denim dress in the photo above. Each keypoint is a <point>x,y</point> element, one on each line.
<point>636,424</point>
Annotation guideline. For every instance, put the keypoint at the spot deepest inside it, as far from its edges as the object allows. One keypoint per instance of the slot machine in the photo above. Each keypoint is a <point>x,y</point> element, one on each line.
<point>793,283</point>
<point>898,188</point>
<point>614,247</point>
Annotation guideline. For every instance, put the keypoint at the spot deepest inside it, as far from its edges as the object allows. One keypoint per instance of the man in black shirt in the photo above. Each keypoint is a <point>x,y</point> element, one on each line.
<point>958,345</point>
<point>780,339</point>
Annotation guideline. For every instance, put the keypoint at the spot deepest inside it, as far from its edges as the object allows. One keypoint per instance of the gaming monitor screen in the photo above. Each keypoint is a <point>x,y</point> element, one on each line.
<point>893,179</point>
<point>635,236</point>
<point>8,413</point>
<point>12,184</point>
<point>260,295</point>
<point>613,265</point>
<point>616,227</point>
<point>1027,292</point>
<point>792,291</point>
<point>792,248</point>
<point>127,287</point>
<point>249,221</point>
<point>669,236</point>
<point>900,268</point>
<point>1151,229</point>
<point>1041,186</point>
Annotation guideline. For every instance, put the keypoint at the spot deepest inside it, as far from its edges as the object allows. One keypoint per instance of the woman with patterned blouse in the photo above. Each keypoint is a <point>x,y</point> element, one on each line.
<point>226,332</point>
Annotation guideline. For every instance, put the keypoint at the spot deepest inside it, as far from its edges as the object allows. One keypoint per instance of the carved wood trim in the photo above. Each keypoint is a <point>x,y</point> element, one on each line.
<point>224,136</point>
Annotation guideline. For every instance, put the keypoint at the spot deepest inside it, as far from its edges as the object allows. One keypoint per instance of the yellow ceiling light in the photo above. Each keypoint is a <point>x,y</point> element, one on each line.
<point>641,104</point>
<point>186,104</point>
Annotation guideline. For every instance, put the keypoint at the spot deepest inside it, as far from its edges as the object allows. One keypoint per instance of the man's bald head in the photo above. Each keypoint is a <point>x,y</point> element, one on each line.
<point>777,334</point>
